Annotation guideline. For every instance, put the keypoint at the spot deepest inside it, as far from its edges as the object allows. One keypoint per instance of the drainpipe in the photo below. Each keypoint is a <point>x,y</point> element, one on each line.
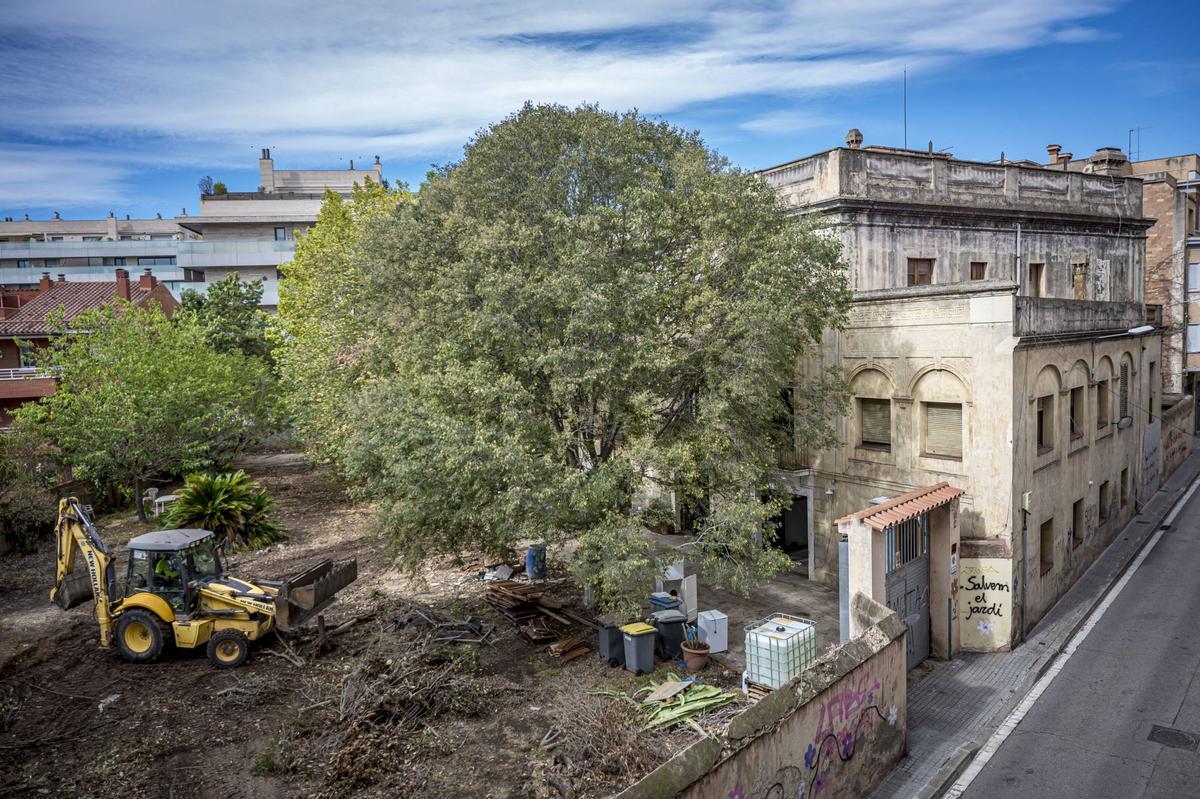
<point>1024,568</point>
<point>1017,261</point>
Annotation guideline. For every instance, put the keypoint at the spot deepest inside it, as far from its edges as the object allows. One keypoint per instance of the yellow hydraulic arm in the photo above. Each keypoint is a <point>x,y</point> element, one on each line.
<point>75,532</point>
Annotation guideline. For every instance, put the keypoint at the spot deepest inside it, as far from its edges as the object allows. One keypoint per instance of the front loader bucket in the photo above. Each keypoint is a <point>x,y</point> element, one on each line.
<point>308,593</point>
<point>75,589</point>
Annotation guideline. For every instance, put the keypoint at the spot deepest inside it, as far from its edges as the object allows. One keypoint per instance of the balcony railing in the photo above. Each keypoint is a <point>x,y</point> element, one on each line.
<point>26,373</point>
<point>793,459</point>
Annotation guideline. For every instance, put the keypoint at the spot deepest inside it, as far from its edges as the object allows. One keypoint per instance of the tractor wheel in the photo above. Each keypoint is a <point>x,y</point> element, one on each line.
<point>228,649</point>
<point>141,635</point>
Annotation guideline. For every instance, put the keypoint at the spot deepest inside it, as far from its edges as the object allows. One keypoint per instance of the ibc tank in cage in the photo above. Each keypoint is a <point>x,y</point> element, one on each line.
<point>778,648</point>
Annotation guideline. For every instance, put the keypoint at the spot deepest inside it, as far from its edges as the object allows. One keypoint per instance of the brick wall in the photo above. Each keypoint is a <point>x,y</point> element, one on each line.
<point>1165,277</point>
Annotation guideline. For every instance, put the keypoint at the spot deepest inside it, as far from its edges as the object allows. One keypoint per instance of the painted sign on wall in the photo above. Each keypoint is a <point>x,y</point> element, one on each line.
<point>985,603</point>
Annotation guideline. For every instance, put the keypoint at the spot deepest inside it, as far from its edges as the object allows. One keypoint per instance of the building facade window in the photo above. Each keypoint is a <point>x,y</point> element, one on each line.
<point>22,264</point>
<point>1103,406</point>
<point>978,270</point>
<point>1046,555</point>
<point>1193,338</point>
<point>875,423</point>
<point>28,356</point>
<point>157,260</point>
<point>1077,523</point>
<point>1124,486</point>
<point>1152,393</point>
<point>93,238</point>
<point>1105,499</point>
<point>1123,396</point>
<point>920,271</point>
<point>1036,276</point>
<point>1077,413</point>
<point>943,430</point>
<point>1045,425</point>
<point>280,234</point>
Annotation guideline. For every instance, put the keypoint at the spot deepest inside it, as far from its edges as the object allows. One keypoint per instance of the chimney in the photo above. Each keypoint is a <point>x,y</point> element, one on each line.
<point>44,284</point>
<point>1065,159</point>
<point>266,171</point>
<point>351,163</point>
<point>854,138</point>
<point>62,278</point>
<point>122,284</point>
<point>147,281</point>
<point>1052,151</point>
<point>1109,161</point>
<point>56,215</point>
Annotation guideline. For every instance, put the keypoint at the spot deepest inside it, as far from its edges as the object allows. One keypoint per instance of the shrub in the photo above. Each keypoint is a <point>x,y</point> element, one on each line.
<point>230,505</point>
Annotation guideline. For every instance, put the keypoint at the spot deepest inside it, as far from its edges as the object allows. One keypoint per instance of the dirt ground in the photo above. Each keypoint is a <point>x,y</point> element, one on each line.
<point>388,711</point>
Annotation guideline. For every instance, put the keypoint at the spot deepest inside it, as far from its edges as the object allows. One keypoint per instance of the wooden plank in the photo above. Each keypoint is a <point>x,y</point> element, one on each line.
<point>666,691</point>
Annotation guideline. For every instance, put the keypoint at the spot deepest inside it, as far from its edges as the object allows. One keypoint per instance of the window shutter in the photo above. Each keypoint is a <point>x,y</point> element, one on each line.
<point>943,430</point>
<point>1193,338</point>
<point>876,416</point>
<point>1124,390</point>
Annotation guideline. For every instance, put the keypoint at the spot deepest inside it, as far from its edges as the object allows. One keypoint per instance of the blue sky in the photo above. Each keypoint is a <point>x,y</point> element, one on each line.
<point>126,109</point>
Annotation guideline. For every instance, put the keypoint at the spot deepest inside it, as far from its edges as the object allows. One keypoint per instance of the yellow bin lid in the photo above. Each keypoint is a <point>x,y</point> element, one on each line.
<point>638,628</point>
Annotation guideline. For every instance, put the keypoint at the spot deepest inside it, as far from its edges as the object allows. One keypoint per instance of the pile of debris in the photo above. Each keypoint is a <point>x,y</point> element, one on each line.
<point>525,605</point>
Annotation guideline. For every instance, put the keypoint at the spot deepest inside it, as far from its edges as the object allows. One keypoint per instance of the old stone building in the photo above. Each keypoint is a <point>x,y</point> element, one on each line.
<point>995,342</point>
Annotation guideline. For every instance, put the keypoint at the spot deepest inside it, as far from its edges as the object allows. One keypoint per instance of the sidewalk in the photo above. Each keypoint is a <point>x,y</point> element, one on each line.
<point>953,710</point>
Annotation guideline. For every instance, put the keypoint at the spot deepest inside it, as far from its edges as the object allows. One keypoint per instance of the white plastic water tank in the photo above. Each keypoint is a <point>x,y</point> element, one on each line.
<point>778,648</point>
<point>713,628</point>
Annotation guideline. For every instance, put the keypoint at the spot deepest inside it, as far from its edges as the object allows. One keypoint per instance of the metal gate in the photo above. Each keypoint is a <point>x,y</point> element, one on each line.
<point>907,581</point>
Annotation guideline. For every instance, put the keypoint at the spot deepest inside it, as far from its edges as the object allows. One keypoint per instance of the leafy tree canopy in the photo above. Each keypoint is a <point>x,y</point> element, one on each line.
<point>230,315</point>
<point>587,309</point>
<point>141,396</point>
<point>322,326</point>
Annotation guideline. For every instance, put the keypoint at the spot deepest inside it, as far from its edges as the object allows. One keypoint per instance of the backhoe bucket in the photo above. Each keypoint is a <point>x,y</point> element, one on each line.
<point>75,589</point>
<point>308,593</point>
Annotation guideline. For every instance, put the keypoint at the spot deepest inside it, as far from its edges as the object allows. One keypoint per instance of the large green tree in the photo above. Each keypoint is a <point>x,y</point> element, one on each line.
<point>231,315</point>
<point>140,396</point>
<point>587,309</point>
<point>322,323</point>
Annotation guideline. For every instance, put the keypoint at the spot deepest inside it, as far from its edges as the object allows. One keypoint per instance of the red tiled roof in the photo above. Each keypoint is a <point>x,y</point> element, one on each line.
<point>906,506</point>
<point>72,298</point>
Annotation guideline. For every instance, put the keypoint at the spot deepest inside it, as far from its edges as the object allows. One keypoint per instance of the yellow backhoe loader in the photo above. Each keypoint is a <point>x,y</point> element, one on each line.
<point>176,589</point>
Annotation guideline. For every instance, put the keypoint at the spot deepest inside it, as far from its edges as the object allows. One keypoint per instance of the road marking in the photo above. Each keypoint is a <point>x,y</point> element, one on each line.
<point>1006,728</point>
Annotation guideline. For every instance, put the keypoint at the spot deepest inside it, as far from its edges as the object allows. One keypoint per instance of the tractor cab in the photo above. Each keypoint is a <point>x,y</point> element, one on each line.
<point>172,564</point>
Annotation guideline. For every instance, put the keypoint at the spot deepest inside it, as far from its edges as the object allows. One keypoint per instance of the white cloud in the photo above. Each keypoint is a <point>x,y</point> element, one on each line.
<point>204,83</point>
<point>41,177</point>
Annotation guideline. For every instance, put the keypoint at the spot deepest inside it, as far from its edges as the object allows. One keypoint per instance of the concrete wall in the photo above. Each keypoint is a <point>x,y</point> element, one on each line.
<point>986,603</point>
<point>1177,423</point>
<point>1166,265</point>
<point>835,731</point>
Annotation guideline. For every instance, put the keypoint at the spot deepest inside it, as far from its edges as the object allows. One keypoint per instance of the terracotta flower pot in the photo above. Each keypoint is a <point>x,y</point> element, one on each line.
<point>695,655</point>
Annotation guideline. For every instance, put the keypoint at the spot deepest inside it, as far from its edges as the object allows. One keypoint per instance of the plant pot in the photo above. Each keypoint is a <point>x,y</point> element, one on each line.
<point>695,655</point>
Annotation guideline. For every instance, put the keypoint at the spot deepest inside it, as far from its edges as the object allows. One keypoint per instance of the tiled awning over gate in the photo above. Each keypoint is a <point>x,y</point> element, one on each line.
<point>906,506</point>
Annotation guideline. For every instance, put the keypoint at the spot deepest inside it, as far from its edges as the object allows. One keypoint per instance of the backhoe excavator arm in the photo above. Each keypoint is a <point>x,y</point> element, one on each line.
<point>75,533</point>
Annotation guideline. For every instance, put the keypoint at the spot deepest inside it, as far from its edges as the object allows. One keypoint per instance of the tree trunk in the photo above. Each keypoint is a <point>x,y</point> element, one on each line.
<point>137,499</point>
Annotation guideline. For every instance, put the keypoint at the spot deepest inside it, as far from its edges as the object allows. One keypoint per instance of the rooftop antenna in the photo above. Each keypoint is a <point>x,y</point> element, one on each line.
<point>1136,134</point>
<point>906,106</point>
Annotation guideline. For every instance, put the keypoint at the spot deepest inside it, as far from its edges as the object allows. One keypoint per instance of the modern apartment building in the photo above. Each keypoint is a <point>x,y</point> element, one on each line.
<point>996,342</point>
<point>252,233</point>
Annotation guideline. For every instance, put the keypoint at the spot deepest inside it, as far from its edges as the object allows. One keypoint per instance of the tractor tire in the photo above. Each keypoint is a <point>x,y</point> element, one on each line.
<point>142,635</point>
<point>228,649</point>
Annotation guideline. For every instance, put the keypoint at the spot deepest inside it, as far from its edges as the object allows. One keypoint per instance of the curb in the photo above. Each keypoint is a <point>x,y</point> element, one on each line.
<point>948,774</point>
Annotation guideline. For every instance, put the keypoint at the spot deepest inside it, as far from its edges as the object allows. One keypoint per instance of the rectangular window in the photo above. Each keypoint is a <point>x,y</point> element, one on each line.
<point>875,422</point>
<point>280,234</point>
<point>1193,338</point>
<point>161,237</point>
<point>1045,424</point>
<point>28,356</point>
<point>1077,523</point>
<point>157,260</point>
<point>1103,407</point>
<point>118,261</point>
<point>920,271</point>
<point>1077,413</point>
<point>1105,499</point>
<point>93,238</point>
<point>1036,274</point>
<point>1079,280</point>
<point>978,270</point>
<point>1124,486</point>
<point>1152,392</point>
<point>1047,545</point>
<point>1124,391</point>
<point>56,238</point>
<point>943,430</point>
<point>21,264</point>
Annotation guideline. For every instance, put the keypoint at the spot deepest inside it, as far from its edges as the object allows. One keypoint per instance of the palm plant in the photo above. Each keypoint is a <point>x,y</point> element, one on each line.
<point>230,504</point>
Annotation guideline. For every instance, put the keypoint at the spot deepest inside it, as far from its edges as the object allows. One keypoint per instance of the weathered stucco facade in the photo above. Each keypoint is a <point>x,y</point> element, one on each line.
<point>988,345</point>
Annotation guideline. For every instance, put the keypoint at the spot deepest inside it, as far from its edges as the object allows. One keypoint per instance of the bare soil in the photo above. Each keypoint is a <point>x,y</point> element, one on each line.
<point>77,720</point>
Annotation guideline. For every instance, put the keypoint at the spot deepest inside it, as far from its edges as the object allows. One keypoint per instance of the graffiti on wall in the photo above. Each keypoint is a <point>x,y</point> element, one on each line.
<point>844,718</point>
<point>985,593</point>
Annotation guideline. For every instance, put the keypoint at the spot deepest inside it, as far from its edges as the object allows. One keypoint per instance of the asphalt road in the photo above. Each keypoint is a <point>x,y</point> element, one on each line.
<point>1088,735</point>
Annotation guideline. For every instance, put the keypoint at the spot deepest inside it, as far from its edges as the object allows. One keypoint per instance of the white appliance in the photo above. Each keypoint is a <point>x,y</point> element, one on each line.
<point>713,628</point>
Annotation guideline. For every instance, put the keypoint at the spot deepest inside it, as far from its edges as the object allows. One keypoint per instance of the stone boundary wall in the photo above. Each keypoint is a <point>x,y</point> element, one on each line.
<point>835,731</point>
<point>1178,421</point>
